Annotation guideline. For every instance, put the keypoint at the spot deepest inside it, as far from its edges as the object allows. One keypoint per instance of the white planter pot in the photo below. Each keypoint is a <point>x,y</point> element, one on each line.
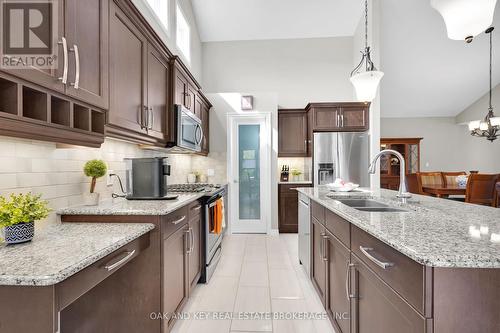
<point>91,199</point>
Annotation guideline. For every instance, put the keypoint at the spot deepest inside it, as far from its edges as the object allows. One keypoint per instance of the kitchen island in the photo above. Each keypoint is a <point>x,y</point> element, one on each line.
<point>41,280</point>
<point>429,265</point>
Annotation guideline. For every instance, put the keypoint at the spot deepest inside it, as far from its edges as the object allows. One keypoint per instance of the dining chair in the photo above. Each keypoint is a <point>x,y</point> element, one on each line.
<point>429,178</point>
<point>481,189</point>
<point>450,178</point>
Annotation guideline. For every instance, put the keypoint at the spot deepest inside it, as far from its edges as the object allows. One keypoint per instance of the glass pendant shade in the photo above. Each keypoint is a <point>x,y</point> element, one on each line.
<point>483,126</point>
<point>474,125</point>
<point>495,121</point>
<point>366,85</point>
<point>465,19</point>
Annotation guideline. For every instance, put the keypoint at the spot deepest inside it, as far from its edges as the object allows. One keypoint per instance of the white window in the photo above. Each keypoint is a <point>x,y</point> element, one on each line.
<point>183,33</point>
<point>160,8</point>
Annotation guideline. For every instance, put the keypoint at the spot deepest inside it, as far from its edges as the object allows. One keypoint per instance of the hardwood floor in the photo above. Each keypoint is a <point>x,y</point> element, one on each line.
<point>257,273</point>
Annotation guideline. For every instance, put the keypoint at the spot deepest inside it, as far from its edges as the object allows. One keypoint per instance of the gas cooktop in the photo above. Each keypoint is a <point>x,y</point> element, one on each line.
<point>189,188</point>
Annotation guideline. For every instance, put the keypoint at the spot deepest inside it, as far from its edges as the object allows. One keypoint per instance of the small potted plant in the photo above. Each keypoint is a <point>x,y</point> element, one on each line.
<point>95,169</point>
<point>296,174</point>
<point>18,215</point>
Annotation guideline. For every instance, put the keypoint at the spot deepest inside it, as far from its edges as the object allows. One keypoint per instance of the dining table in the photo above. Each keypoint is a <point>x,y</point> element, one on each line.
<point>443,191</point>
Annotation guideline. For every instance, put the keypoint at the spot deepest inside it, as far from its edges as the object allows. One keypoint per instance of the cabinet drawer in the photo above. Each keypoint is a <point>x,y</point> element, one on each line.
<point>405,276</point>
<point>338,227</point>
<point>173,221</point>
<point>194,209</point>
<point>318,212</point>
<point>77,285</point>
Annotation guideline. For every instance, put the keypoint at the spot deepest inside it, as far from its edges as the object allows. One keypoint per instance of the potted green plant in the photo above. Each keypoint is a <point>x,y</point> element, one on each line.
<point>94,169</point>
<point>296,174</point>
<point>18,215</point>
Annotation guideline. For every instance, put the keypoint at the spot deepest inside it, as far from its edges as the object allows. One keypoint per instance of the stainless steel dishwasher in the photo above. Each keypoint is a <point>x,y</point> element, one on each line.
<point>304,231</point>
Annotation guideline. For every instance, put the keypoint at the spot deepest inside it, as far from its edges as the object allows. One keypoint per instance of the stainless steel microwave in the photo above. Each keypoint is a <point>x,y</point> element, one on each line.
<point>189,132</point>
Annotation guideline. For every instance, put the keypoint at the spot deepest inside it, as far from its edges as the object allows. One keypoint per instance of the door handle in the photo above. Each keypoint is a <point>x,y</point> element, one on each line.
<point>64,77</point>
<point>379,263</point>
<point>151,117</point>
<point>201,134</point>
<point>338,120</point>
<point>342,119</point>
<point>76,84</point>
<point>188,241</point>
<point>325,250</point>
<point>348,282</point>
<point>143,120</point>
<point>191,233</point>
<point>322,245</point>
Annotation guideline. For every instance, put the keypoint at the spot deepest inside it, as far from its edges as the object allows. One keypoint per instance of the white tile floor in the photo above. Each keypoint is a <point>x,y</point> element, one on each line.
<point>257,273</point>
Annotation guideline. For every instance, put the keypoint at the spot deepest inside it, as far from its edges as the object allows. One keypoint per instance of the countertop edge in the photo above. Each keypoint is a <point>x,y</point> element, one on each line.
<point>400,249</point>
<point>49,280</point>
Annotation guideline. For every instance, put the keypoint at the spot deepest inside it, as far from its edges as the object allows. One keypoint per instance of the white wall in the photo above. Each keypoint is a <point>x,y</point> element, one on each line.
<point>299,71</point>
<point>229,103</point>
<point>168,36</point>
<point>447,146</point>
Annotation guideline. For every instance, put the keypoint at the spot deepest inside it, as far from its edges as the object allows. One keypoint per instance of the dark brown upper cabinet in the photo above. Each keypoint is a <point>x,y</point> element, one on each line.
<point>82,54</point>
<point>205,123</point>
<point>293,134</point>
<point>331,117</point>
<point>185,86</point>
<point>87,34</point>
<point>139,84</point>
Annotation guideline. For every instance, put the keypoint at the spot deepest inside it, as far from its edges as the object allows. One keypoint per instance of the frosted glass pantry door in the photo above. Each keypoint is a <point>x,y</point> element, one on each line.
<point>248,169</point>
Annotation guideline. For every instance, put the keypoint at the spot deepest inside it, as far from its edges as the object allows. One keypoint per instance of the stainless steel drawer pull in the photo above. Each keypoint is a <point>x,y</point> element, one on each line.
<point>381,264</point>
<point>64,77</point>
<point>121,261</point>
<point>196,208</point>
<point>179,220</point>
<point>325,249</point>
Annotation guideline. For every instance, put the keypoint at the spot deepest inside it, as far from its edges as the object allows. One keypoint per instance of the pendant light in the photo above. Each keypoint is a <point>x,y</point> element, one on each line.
<point>365,77</point>
<point>465,19</point>
<point>488,128</point>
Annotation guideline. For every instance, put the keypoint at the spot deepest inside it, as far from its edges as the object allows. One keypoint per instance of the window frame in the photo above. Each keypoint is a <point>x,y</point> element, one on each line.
<point>184,52</point>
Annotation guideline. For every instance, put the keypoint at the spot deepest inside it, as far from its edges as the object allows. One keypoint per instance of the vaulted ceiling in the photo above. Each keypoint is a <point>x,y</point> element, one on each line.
<point>227,20</point>
<point>427,74</point>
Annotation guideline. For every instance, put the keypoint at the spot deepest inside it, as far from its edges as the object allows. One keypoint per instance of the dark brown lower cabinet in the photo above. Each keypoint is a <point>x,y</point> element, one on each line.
<point>377,308</point>
<point>175,261</point>
<point>318,258</point>
<point>288,201</point>
<point>339,302</point>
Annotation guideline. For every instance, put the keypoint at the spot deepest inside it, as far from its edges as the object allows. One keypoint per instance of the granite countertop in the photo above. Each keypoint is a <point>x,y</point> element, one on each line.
<point>121,206</point>
<point>435,232</point>
<point>63,250</point>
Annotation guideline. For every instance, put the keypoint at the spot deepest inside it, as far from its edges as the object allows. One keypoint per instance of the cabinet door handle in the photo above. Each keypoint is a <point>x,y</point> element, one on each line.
<point>381,264</point>
<point>151,117</point>
<point>196,208</point>
<point>342,119</point>
<point>338,120</point>
<point>120,262</point>
<point>64,77</point>
<point>191,233</point>
<point>76,84</point>
<point>322,247</point>
<point>325,250</point>
<point>348,281</point>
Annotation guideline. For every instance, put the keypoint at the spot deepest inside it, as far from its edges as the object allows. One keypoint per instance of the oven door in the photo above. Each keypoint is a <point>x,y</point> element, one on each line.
<point>189,130</point>
<point>213,239</point>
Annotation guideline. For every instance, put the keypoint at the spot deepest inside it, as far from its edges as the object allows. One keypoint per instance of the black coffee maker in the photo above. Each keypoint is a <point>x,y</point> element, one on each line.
<point>146,178</point>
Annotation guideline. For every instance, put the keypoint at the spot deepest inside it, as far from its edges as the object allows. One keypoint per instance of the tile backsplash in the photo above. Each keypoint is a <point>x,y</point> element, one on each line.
<point>57,173</point>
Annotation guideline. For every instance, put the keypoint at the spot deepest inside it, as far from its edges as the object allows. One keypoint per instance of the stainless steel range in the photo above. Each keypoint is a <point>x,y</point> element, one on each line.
<point>212,240</point>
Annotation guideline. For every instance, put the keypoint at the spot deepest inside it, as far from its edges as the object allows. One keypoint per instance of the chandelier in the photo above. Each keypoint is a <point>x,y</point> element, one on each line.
<point>366,81</point>
<point>489,128</point>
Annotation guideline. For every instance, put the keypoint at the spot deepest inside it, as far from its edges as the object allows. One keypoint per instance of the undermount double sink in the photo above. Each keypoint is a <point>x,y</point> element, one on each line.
<point>370,205</point>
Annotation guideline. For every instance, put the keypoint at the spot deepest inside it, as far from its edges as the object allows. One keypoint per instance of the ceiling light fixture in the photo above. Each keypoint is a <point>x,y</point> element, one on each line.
<point>465,19</point>
<point>489,128</point>
<point>366,81</point>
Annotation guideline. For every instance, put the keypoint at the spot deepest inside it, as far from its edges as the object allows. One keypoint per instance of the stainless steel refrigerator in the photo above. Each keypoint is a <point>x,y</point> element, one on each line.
<point>341,155</point>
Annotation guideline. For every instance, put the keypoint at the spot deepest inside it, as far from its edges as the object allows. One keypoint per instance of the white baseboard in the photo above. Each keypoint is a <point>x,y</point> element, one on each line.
<point>273,232</point>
